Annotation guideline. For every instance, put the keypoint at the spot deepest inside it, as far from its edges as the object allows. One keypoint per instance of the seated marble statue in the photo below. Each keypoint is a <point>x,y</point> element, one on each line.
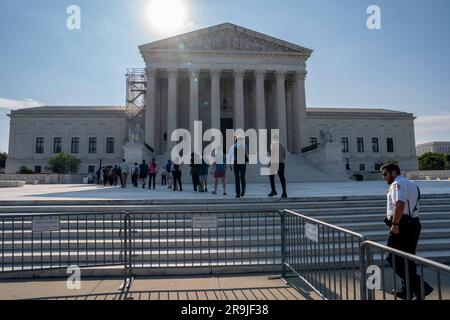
<point>136,135</point>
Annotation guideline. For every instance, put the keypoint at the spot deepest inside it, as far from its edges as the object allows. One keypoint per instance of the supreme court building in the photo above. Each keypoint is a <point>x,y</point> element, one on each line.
<point>228,77</point>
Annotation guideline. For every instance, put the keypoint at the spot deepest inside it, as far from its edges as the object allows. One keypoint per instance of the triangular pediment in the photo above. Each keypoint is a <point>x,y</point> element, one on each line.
<point>226,37</point>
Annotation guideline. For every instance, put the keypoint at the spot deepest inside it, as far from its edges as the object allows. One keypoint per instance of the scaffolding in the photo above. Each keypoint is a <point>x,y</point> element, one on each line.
<point>135,104</point>
<point>136,90</point>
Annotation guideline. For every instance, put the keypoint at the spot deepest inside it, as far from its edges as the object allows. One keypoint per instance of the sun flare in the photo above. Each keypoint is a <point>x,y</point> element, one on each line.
<point>167,16</point>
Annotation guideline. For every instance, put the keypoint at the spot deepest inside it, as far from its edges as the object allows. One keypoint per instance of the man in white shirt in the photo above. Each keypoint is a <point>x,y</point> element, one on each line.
<point>238,159</point>
<point>403,219</point>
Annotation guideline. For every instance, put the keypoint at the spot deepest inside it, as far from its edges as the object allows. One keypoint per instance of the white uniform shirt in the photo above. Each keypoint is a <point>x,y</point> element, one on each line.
<point>406,191</point>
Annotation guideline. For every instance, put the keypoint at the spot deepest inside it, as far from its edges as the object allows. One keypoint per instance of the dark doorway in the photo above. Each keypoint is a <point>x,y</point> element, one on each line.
<point>225,124</point>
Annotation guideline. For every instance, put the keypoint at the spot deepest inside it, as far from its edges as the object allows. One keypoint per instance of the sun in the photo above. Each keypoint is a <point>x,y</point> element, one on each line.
<point>167,16</point>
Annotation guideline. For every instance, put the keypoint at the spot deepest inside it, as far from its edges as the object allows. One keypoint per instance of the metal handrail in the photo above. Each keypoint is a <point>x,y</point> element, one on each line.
<point>409,261</point>
<point>406,255</point>
<point>355,234</point>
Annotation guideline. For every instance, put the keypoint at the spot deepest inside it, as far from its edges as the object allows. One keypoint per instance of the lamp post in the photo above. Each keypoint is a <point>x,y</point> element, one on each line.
<point>225,104</point>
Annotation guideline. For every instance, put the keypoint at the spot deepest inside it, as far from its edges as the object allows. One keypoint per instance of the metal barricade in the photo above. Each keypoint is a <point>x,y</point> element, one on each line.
<point>189,239</point>
<point>386,269</point>
<point>31,242</point>
<point>324,257</point>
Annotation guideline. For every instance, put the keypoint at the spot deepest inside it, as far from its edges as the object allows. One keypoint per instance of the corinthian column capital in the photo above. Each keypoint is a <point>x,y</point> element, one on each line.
<point>150,72</point>
<point>215,73</point>
<point>300,75</point>
<point>172,73</point>
<point>260,74</point>
<point>239,73</point>
<point>281,75</point>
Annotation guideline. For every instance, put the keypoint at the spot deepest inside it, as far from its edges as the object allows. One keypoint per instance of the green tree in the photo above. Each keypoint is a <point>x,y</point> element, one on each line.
<point>25,170</point>
<point>3,156</point>
<point>64,163</point>
<point>432,161</point>
<point>448,162</point>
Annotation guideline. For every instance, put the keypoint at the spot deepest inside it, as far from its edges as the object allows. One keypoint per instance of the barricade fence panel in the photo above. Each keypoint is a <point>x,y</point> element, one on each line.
<point>214,239</point>
<point>323,256</point>
<point>55,241</point>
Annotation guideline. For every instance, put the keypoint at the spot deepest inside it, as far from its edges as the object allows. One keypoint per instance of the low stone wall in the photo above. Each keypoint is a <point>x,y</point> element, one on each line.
<point>11,184</point>
<point>428,175</point>
<point>43,178</point>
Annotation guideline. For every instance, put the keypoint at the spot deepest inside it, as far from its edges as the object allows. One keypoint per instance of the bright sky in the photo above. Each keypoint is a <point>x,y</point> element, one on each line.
<point>404,66</point>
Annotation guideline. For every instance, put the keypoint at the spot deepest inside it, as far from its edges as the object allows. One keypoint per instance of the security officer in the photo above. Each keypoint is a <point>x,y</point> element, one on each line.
<point>403,219</point>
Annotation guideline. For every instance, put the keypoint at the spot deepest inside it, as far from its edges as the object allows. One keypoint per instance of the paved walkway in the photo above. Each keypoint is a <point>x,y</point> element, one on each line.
<point>255,191</point>
<point>249,287</point>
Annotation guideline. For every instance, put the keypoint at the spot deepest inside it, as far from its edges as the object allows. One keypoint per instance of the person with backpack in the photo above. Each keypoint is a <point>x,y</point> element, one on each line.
<point>135,175</point>
<point>169,174</point>
<point>403,220</point>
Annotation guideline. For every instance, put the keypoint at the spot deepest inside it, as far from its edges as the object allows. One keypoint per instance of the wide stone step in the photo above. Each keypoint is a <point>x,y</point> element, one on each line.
<point>106,256</point>
<point>109,243</point>
<point>377,217</point>
<point>258,265</point>
<point>364,210</point>
<point>362,226</point>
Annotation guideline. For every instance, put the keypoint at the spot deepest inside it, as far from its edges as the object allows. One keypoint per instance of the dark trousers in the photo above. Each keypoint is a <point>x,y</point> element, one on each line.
<point>120,178</point>
<point>406,241</point>
<point>134,180</point>
<point>282,179</point>
<point>195,179</point>
<point>239,178</point>
<point>152,178</point>
<point>177,180</point>
<point>163,180</point>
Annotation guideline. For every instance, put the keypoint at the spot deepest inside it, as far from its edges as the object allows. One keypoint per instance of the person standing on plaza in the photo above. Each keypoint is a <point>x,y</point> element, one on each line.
<point>278,152</point>
<point>115,175</point>
<point>124,169</point>
<point>176,172</point>
<point>143,173</point>
<point>219,170</point>
<point>135,175</point>
<point>195,170</point>
<point>98,174</point>
<point>105,176</point>
<point>204,168</point>
<point>169,174</point>
<point>163,177</point>
<point>237,156</point>
<point>153,171</point>
<point>403,220</point>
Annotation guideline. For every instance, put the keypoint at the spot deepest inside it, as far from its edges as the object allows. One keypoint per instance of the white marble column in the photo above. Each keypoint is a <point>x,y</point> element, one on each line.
<point>215,99</point>
<point>260,100</point>
<point>281,106</point>
<point>172,112</point>
<point>300,100</point>
<point>193,98</point>
<point>150,108</point>
<point>239,116</point>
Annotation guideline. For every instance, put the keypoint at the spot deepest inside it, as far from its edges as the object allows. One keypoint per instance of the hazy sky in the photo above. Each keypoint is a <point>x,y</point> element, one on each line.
<point>404,66</point>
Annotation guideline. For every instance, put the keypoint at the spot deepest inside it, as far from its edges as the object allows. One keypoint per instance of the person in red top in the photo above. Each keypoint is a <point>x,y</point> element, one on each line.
<point>153,171</point>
